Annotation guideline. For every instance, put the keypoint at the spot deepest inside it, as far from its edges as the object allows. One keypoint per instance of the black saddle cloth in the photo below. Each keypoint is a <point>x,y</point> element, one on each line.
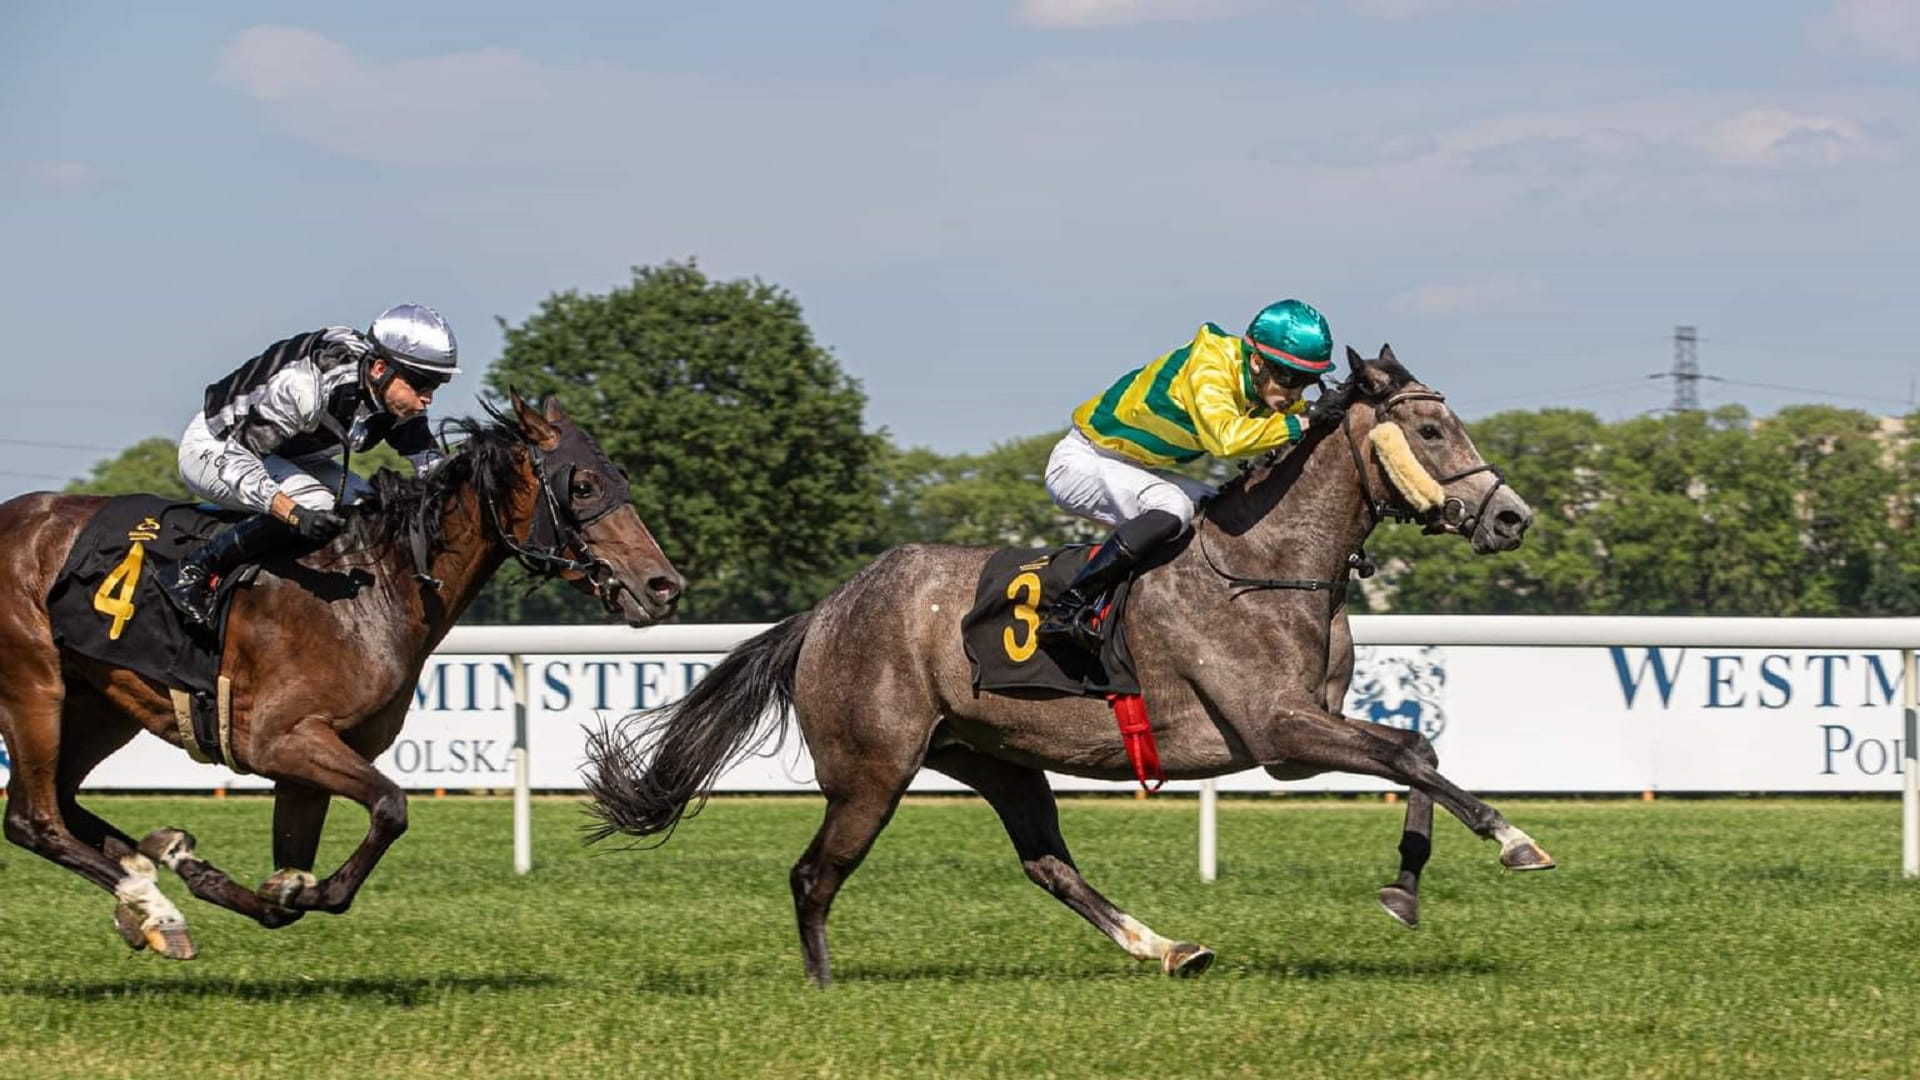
<point>106,602</point>
<point>1015,587</point>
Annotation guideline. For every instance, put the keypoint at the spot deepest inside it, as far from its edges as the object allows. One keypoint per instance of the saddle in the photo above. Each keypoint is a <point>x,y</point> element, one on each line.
<point>1000,634</point>
<point>106,604</point>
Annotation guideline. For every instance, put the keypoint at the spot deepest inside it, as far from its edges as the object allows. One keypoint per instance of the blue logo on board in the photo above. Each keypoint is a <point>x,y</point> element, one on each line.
<point>1403,688</point>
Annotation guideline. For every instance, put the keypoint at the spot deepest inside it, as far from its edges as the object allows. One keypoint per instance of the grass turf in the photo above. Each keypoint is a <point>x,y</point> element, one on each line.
<point>1683,939</point>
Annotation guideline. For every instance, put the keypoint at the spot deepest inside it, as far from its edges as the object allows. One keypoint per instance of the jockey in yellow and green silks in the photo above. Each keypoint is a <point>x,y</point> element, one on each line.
<point>1222,394</point>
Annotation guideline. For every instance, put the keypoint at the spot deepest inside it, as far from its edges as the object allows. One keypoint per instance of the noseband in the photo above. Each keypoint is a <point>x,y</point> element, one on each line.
<point>1452,511</point>
<point>555,530</point>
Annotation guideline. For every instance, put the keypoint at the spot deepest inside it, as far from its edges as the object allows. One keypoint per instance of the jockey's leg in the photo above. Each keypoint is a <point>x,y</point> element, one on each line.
<point>1148,509</point>
<point>1070,616</point>
<point>190,587</point>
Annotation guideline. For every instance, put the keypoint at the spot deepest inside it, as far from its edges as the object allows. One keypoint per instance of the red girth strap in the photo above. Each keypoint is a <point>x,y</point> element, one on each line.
<point>1136,734</point>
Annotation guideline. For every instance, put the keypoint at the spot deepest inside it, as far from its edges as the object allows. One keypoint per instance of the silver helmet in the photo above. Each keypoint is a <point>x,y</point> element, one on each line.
<point>415,336</point>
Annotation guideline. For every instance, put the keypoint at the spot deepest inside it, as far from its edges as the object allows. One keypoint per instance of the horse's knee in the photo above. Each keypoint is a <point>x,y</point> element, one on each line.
<point>390,815</point>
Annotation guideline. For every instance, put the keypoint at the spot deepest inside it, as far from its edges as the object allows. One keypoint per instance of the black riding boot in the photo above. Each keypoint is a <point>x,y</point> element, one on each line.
<point>1070,616</point>
<point>190,586</point>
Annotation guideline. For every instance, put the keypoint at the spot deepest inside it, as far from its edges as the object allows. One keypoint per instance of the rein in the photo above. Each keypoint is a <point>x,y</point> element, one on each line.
<point>1450,513</point>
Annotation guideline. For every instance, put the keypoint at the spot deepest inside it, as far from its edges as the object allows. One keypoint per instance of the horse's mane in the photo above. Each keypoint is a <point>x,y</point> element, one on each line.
<point>486,460</point>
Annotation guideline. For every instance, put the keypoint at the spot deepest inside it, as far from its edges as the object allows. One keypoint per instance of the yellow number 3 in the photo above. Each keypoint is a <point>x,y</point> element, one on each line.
<point>115,595</point>
<point>1023,611</point>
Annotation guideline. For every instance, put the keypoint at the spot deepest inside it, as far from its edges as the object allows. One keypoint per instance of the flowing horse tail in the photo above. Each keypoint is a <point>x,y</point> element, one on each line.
<point>655,768</point>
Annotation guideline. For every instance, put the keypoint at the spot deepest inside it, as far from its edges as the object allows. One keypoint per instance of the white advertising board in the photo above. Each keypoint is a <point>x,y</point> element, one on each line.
<point>1503,718</point>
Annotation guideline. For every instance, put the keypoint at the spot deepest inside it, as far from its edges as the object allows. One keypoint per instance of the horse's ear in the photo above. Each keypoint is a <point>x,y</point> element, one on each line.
<point>535,426</point>
<point>1353,361</point>
<point>1386,354</point>
<point>550,405</point>
<point>1374,377</point>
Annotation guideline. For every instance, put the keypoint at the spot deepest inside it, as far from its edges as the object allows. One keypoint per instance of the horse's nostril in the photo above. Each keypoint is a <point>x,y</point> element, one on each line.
<point>664,589</point>
<point>1511,521</point>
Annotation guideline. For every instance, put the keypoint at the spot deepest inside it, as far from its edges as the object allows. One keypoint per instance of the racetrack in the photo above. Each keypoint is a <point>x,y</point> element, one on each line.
<point>1714,938</point>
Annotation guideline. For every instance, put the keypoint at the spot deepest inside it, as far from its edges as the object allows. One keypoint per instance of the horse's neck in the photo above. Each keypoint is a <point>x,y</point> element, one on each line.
<point>1299,519</point>
<point>464,561</point>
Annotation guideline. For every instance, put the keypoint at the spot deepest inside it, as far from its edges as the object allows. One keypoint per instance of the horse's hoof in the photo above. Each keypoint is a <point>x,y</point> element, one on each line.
<point>1402,905</point>
<point>285,887</point>
<point>127,922</point>
<point>1524,854</point>
<point>168,847</point>
<point>171,940</point>
<point>1186,960</point>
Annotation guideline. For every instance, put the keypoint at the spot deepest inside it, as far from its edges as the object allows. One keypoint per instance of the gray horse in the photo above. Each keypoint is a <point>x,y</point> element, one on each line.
<point>1238,672</point>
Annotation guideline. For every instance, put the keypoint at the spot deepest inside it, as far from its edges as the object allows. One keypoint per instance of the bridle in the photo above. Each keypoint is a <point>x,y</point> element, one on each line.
<point>554,529</point>
<point>1450,514</point>
<point>1452,511</point>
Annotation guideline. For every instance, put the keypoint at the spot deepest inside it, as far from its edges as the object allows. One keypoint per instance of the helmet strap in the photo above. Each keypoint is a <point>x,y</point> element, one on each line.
<point>377,388</point>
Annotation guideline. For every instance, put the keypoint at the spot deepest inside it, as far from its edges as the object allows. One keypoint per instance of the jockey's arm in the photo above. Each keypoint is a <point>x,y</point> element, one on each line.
<point>1220,419</point>
<point>288,405</point>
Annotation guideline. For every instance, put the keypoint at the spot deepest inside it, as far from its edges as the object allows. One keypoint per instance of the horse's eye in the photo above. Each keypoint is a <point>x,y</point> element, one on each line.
<point>581,488</point>
<point>1429,431</point>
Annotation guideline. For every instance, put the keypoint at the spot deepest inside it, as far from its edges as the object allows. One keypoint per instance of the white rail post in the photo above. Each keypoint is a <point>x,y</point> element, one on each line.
<point>1910,762</point>
<point>522,788</point>
<point>1209,829</point>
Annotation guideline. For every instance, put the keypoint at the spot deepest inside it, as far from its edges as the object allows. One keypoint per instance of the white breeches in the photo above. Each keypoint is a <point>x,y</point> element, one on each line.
<point>309,482</point>
<point>1108,488</point>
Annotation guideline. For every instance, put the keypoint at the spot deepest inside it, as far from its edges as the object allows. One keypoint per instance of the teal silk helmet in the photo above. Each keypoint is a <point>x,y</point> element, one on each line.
<point>1294,334</point>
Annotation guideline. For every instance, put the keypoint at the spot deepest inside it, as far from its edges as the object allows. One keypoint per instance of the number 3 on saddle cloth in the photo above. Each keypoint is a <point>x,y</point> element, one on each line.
<point>1000,635</point>
<point>106,604</point>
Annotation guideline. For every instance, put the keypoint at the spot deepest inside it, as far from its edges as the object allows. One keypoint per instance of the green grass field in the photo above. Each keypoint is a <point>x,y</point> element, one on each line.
<point>1682,939</point>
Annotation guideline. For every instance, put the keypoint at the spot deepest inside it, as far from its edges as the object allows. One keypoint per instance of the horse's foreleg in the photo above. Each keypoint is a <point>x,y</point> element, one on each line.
<point>312,756</point>
<point>1025,803</point>
<point>1336,742</point>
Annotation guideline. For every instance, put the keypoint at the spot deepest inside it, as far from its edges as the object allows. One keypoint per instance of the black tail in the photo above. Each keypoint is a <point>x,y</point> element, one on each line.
<point>656,767</point>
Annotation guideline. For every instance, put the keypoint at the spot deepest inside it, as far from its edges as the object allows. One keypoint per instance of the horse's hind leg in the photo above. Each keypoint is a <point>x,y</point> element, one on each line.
<point>1025,803</point>
<point>95,728</point>
<point>1402,898</point>
<point>31,702</point>
<point>856,812</point>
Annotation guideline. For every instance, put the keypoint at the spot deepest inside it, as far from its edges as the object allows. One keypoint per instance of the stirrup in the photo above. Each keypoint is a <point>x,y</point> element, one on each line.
<point>193,600</point>
<point>1073,627</point>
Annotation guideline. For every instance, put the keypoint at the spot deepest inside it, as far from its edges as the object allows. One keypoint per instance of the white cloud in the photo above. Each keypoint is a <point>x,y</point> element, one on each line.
<point>1887,29</point>
<point>1075,14</point>
<point>1768,137</point>
<point>1497,294</point>
<point>62,175</point>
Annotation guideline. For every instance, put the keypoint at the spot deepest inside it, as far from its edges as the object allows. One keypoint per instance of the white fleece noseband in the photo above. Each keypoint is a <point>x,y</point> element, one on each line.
<point>1421,490</point>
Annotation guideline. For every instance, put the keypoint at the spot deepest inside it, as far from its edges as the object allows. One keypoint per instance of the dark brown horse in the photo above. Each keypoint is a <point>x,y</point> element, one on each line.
<point>323,654</point>
<point>1238,672</point>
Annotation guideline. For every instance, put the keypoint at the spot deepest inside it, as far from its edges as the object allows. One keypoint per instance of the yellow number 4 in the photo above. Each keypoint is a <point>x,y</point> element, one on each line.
<point>114,597</point>
<point>1023,611</point>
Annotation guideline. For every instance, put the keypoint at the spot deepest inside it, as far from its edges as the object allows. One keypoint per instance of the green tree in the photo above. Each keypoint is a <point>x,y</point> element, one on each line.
<point>996,499</point>
<point>150,465</point>
<point>742,436</point>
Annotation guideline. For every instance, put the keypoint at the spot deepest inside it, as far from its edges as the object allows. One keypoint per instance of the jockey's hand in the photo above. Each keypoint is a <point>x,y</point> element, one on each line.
<point>1324,411</point>
<point>318,526</point>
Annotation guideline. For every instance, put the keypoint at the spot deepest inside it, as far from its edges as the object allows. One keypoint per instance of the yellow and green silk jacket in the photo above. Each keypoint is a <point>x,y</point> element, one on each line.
<point>1196,400</point>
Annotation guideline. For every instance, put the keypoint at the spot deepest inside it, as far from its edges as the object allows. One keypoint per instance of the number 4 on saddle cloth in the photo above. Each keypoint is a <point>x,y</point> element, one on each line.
<point>1001,639</point>
<point>106,604</point>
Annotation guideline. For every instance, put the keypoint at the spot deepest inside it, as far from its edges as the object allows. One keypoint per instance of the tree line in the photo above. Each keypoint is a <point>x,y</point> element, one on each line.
<point>752,463</point>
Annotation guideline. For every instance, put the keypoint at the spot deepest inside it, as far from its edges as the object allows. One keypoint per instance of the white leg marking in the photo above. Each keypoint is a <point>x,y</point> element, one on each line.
<point>1139,939</point>
<point>142,894</point>
<point>1510,838</point>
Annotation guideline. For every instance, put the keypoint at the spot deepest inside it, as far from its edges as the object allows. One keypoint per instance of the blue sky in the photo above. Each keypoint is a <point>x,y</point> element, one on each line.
<point>989,209</point>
